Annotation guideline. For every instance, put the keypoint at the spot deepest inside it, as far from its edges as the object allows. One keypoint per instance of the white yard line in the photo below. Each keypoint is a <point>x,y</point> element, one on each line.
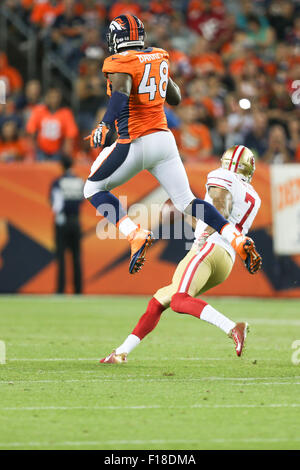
<point>147,442</point>
<point>103,379</point>
<point>150,407</point>
<point>148,378</point>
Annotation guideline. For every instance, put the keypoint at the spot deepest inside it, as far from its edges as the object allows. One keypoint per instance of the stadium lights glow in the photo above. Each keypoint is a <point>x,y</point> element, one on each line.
<point>245,103</point>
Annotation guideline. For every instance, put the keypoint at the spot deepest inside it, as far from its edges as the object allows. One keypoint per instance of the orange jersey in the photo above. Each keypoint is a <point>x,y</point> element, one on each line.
<point>51,128</point>
<point>149,70</point>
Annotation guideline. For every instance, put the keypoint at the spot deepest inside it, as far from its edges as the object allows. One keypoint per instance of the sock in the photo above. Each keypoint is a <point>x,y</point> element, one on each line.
<point>110,207</point>
<point>126,226</point>
<point>184,303</point>
<point>145,325</point>
<point>149,320</point>
<point>208,213</point>
<point>129,344</point>
<point>211,315</point>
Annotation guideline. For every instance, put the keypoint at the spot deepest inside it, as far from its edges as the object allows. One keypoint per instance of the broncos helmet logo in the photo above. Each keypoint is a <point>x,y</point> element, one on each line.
<point>117,24</point>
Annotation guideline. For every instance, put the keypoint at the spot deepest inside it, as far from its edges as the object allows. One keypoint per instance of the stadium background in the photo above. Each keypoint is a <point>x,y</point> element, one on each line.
<point>221,53</point>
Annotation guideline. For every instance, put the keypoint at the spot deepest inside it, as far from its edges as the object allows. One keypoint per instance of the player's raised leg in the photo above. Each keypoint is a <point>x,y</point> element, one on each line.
<point>114,166</point>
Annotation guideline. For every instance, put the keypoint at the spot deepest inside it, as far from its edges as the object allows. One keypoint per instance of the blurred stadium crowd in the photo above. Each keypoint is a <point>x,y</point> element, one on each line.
<point>237,63</point>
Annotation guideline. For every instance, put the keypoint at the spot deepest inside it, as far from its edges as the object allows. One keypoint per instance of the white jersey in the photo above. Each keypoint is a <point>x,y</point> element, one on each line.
<point>245,205</point>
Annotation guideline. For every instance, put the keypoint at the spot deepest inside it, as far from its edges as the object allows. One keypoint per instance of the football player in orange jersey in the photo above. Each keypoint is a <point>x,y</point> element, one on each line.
<point>138,84</point>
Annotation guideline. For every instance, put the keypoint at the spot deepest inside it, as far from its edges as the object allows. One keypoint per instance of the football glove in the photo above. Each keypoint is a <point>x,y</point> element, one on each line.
<point>98,136</point>
<point>200,242</point>
<point>253,261</point>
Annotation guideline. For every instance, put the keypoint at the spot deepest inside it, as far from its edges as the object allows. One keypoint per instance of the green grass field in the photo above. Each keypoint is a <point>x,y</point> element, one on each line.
<point>183,387</point>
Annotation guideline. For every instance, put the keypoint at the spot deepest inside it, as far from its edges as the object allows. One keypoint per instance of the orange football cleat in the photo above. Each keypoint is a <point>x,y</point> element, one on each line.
<point>114,358</point>
<point>239,334</point>
<point>140,241</point>
<point>245,247</point>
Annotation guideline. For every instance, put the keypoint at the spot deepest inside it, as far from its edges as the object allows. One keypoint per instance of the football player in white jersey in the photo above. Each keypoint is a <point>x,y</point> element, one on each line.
<point>210,260</point>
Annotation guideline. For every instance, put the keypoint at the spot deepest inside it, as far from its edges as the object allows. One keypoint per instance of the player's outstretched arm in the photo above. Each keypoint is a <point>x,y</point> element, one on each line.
<point>121,84</point>
<point>222,200</point>
<point>173,97</point>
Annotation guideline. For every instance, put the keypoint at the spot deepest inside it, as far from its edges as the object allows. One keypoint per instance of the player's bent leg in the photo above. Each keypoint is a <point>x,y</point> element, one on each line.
<point>145,325</point>
<point>184,302</point>
<point>114,166</point>
<point>149,320</point>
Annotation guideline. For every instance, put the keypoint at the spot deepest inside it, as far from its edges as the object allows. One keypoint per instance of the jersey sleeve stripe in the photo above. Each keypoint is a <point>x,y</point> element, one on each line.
<point>218,185</point>
<point>218,178</point>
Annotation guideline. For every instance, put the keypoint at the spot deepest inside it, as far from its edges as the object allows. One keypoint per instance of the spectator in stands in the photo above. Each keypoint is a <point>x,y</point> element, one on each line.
<point>280,15</point>
<point>12,146</point>
<point>207,18</point>
<point>8,113</point>
<point>257,138</point>
<point>278,151</point>
<point>10,75</point>
<point>93,13</point>
<point>239,120</point>
<point>92,48</point>
<point>52,127</point>
<point>182,37</point>
<point>161,7</point>
<point>294,137</point>
<point>124,7</point>
<point>45,13</point>
<point>67,32</point>
<point>280,105</point>
<point>30,98</point>
<point>259,33</point>
<point>91,93</point>
<point>204,60</point>
<point>193,139</point>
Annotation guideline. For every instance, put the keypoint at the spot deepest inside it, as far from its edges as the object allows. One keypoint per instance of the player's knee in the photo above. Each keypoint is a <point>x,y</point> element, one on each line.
<point>183,204</point>
<point>177,301</point>
<point>90,188</point>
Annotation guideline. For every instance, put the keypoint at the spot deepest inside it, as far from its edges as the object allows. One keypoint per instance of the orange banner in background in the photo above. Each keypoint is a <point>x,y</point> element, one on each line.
<point>27,261</point>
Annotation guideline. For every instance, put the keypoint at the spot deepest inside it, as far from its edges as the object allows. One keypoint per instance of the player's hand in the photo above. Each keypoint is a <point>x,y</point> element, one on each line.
<point>200,242</point>
<point>98,136</point>
<point>253,261</point>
